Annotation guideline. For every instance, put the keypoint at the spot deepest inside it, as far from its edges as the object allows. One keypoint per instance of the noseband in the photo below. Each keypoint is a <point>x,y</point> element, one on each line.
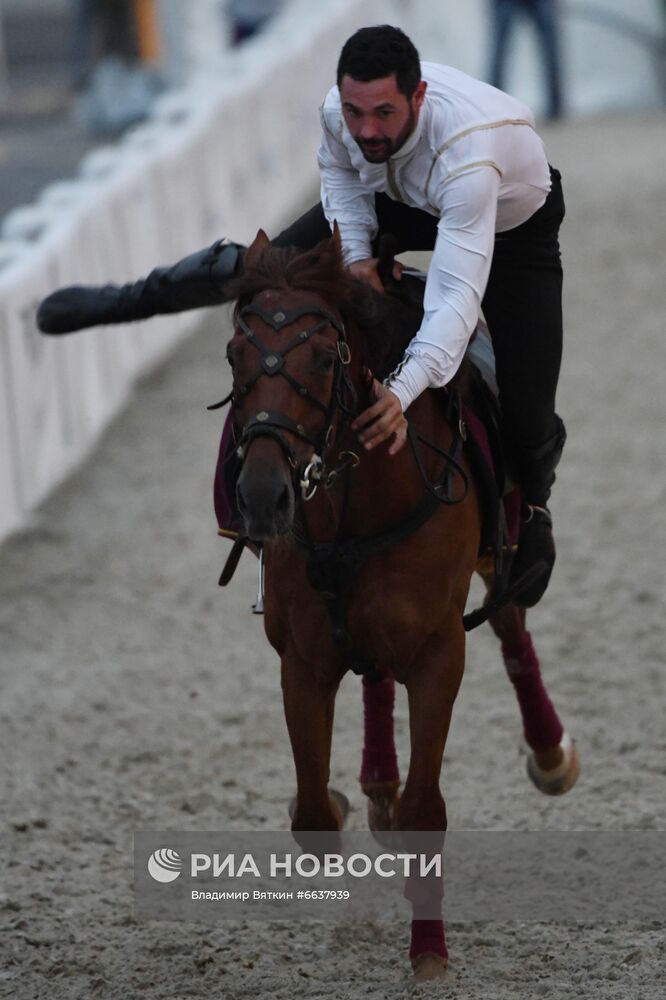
<point>269,423</point>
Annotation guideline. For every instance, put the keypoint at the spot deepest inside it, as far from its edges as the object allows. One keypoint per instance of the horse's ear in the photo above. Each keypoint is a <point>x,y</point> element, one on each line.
<point>255,249</point>
<point>337,239</point>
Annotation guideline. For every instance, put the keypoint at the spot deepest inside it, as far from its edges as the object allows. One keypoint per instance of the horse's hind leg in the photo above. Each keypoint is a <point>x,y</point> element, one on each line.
<point>309,702</point>
<point>379,777</point>
<point>553,764</point>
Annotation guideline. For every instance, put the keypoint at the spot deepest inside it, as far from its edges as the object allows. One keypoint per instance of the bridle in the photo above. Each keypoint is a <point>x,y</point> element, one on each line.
<point>269,423</point>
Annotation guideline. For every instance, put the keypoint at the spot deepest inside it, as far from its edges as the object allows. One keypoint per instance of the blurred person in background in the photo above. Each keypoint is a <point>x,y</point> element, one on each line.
<point>247,17</point>
<point>116,89</point>
<point>100,28</point>
<point>545,16</point>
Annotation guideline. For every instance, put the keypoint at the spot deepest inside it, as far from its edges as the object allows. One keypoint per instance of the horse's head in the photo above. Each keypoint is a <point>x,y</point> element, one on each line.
<point>291,381</point>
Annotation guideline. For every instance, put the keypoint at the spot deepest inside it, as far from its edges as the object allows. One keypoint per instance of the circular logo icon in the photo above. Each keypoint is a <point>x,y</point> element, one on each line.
<point>164,865</point>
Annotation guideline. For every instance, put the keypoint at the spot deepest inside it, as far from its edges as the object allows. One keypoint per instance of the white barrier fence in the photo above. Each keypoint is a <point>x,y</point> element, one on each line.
<point>222,157</point>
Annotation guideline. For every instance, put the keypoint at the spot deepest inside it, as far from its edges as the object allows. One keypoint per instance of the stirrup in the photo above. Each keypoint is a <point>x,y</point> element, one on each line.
<point>534,559</point>
<point>544,513</point>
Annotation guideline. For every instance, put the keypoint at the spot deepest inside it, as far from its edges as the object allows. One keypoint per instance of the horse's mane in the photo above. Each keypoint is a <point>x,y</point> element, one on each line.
<point>382,325</point>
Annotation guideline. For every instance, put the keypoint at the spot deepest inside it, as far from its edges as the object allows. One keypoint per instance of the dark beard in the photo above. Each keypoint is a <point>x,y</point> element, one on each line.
<point>382,151</point>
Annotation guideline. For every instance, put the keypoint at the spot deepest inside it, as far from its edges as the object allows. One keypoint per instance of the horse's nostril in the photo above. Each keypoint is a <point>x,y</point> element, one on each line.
<point>265,501</point>
<point>282,503</point>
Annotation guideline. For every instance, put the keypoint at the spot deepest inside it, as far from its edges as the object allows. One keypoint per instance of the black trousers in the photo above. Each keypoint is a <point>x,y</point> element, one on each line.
<point>523,308</point>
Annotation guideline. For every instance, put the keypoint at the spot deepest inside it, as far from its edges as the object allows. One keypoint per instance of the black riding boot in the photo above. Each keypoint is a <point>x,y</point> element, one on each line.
<point>535,471</point>
<point>196,281</point>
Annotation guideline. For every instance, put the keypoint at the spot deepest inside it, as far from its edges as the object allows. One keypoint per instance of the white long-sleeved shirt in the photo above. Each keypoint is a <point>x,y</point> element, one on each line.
<point>475,162</point>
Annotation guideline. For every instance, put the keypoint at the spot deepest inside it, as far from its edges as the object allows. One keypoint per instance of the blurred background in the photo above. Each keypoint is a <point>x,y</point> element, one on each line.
<point>133,132</point>
<point>72,71</point>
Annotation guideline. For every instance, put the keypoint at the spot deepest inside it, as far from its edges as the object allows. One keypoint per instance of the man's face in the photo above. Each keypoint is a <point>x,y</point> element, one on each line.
<point>378,115</point>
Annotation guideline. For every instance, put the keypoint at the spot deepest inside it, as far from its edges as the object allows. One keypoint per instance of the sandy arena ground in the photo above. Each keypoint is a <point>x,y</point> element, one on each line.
<point>137,695</point>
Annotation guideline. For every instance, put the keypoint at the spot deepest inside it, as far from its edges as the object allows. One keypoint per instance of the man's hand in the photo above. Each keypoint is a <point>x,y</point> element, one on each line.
<point>381,421</point>
<point>366,270</point>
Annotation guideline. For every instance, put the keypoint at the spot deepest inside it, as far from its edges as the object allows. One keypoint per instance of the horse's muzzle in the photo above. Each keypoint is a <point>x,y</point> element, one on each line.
<point>265,498</point>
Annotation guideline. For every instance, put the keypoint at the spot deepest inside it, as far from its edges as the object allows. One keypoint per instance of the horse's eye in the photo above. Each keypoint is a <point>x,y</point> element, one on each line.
<point>325,363</point>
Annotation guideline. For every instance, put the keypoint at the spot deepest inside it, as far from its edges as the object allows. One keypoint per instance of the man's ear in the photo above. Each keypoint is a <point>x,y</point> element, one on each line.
<point>256,248</point>
<point>419,94</point>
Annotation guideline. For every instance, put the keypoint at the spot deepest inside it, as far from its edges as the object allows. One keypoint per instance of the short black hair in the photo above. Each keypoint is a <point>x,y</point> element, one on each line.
<point>373,53</point>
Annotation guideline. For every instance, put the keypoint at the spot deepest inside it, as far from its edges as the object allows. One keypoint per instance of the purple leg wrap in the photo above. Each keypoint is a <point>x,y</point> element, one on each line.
<point>379,758</point>
<point>428,936</point>
<point>542,726</point>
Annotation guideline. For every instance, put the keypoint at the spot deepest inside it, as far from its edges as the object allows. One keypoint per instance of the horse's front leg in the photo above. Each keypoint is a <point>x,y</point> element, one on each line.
<point>432,685</point>
<point>379,777</point>
<point>309,701</point>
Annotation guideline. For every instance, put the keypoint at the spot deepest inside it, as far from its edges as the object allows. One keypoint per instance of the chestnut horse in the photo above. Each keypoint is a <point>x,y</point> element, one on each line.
<point>362,570</point>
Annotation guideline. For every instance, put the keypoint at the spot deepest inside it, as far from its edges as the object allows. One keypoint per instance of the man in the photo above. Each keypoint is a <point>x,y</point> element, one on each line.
<point>544,14</point>
<point>248,17</point>
<point>443,162</point>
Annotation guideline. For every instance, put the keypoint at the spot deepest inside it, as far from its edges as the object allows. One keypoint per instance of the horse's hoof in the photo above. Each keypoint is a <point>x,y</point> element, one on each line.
<point>560,779</point>
<point>429,966</point>
<point>339,800</point>
<point>383,801</point>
